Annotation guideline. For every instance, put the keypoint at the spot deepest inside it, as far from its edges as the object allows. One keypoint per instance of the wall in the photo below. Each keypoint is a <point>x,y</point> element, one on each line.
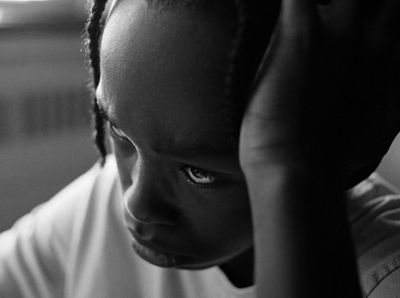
<point>45,136</point>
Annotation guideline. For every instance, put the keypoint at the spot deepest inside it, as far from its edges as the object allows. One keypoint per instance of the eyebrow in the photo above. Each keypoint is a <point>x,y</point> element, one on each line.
<point>191,151</point>
<point>188,151</point>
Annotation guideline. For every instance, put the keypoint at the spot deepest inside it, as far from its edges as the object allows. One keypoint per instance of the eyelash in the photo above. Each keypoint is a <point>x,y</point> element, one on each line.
<point>185,169</point>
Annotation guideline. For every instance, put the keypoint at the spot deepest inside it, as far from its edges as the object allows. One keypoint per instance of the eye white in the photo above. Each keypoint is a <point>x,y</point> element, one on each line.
<point>199,176</point>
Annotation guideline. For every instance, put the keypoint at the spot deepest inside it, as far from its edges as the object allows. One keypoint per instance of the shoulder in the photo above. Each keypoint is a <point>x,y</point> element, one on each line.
<point>67,207</point>
<point>37,250</point>
<point>47,231</point>
<point>57,216</point>
<point>374,207</point>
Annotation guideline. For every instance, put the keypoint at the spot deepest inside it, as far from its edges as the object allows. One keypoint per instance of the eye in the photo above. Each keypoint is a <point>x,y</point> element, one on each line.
<point>198,176</point>
<point>118,132</point>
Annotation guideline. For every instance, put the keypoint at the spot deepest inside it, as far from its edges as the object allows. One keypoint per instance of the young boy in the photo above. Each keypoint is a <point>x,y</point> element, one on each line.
<point>184,207</point>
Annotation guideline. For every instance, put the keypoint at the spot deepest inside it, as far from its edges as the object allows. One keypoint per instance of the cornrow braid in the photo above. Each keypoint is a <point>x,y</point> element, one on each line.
<point>256,20</point>
<point>92,41</point>
<point>229,103</point>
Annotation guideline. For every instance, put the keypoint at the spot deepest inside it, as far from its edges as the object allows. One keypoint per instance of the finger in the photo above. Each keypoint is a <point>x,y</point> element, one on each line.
<point>345,7</point>
<point>391,12</point>
<point>293,34</point>
<point>372,9</point>
<point>354,21</point>
<point>380,14</point>
<point>297,18</point>
<point>285,66</point>
<point>387,24</point>
<point>292,38</point>
<point>341,20</point>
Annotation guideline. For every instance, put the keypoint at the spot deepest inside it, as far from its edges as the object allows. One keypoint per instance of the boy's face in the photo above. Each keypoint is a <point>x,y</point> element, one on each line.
<point>162,86</point>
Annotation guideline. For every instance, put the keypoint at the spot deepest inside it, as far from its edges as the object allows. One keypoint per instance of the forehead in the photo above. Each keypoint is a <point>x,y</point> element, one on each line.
<point>163,71</point>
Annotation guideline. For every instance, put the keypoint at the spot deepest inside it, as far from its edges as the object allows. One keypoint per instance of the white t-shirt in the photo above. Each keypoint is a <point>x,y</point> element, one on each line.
<point>76,246</point>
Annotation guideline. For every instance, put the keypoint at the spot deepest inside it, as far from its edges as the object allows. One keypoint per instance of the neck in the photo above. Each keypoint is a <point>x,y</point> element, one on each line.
<point>240,269</point>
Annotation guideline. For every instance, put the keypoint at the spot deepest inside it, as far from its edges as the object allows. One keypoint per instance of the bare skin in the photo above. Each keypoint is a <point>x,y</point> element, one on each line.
<point>162,78</point>
<point>343,60</point>
<point>162,81</point>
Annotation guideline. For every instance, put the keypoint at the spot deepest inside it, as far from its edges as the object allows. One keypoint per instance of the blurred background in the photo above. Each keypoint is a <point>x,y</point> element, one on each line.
<point>45,135</point>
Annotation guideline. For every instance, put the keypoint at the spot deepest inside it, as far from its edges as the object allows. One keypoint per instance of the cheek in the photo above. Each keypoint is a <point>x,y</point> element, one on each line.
<point>223,222</point>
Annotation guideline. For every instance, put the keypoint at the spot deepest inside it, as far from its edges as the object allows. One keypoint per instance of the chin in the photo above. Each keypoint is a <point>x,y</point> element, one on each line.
<point>200,265</point>
<point>160,259</point>
<point>166,260</point>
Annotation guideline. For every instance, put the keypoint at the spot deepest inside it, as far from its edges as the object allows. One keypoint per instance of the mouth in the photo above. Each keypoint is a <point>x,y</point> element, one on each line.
<point>156,256</point>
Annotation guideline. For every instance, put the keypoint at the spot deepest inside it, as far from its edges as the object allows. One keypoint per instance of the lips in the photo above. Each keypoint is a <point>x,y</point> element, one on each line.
<point>156,255</point>
<point>148,244</point>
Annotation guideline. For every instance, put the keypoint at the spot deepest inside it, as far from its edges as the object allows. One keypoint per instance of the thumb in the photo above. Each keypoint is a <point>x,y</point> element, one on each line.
<point>280,91</point>
<point>297,17</point>
<point>294,33</point>
<point>286,61</point>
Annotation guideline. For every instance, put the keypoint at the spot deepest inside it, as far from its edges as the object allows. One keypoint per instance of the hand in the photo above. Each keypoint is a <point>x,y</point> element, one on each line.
<point>328,86</point>
<point>326,95</point>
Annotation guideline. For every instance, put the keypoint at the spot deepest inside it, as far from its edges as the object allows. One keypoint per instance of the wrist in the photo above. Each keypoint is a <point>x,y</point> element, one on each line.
<point>292,177</point>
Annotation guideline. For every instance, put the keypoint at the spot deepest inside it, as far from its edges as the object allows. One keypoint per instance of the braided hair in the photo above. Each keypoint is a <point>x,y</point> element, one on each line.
<point>255,21</point>
<point>93,31</point>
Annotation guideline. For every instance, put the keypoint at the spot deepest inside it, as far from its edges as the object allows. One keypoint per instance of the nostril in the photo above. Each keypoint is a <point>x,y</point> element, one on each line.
<point>130,216</point>
<point>147,213</point>
<point>144,204</point>
<point>141,219</point>
<point>138,232</point>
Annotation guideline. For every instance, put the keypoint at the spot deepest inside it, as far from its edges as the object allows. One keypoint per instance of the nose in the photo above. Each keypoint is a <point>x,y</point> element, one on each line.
<point>148,198</point>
